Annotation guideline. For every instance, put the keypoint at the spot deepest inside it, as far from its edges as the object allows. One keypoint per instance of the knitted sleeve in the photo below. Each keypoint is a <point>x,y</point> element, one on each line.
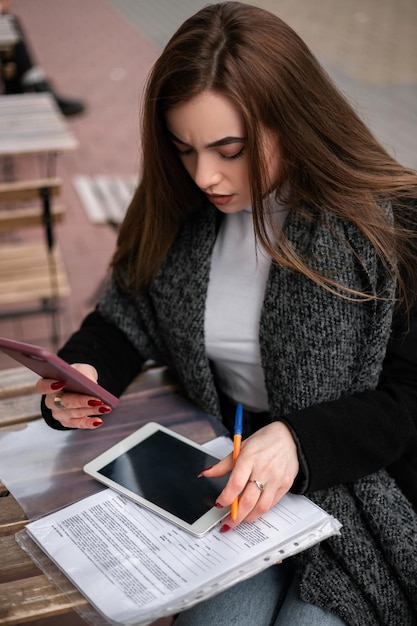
<point>358,434</point>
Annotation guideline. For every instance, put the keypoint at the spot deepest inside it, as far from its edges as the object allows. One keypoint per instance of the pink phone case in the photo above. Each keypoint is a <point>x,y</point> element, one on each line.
<point>49,365</point>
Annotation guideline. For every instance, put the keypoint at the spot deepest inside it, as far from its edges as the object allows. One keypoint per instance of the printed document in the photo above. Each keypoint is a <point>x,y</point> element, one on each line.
<point>134,567</point>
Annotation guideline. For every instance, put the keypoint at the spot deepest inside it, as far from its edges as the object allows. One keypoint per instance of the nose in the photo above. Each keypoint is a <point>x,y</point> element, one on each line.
<point>206,172</point>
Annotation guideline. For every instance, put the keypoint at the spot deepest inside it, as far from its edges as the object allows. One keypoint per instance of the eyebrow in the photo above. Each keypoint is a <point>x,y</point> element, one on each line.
<point>225,141</point>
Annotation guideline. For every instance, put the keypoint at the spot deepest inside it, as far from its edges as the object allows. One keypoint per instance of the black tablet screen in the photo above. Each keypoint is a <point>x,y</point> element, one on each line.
<point>163,470</point>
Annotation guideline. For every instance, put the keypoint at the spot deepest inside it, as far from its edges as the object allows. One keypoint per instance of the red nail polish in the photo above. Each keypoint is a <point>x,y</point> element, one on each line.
<point>97,423</point>
<point>95,403</point>
<point>104,409</point>
<point>57,385</point>
<point>201,474</point>
<point>218,505</point>
<point>225,528</point>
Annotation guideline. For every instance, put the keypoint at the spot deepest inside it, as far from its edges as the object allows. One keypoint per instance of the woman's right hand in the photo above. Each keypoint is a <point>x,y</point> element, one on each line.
<point>73,410</point>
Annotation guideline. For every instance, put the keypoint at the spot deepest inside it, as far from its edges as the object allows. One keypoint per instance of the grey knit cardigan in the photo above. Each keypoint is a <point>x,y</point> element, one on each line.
<point>315,346</point>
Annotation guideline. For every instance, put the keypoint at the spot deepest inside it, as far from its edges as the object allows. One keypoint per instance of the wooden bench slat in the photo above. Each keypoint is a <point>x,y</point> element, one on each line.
<point>19,410</point>
<point>23,190</point>
<point>14,251</point>
<point>31,282</point>
<point>12,516</point>
<point>13,560</point>
<point>16,381</point>
<point>32,598</point>
<point>28,217</point>
<point>25,274</point>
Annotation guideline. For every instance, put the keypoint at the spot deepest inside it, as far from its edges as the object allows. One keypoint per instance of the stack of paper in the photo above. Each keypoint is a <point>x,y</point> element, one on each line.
<point>135,567</point>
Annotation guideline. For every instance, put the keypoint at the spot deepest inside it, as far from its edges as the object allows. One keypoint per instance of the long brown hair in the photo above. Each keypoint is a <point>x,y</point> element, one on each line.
<point>330,160</point>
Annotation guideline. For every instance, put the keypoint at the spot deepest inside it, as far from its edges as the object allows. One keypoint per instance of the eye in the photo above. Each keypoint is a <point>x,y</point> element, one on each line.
<point>181,150</point>
<point>232,157</point>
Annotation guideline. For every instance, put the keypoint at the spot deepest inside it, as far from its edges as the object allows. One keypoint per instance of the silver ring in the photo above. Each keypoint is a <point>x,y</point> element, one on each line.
<point>57,402</point>
<point>260,485</point>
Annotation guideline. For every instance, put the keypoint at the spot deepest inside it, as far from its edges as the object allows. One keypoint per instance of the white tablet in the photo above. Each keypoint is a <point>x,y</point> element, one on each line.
<point>158,469</point>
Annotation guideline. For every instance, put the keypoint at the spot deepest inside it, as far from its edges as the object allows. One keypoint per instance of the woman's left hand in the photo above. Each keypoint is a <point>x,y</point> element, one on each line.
<point>270,457</point>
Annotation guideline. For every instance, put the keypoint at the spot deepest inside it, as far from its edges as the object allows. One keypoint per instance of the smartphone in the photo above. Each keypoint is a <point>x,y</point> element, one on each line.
<point>49,365</point>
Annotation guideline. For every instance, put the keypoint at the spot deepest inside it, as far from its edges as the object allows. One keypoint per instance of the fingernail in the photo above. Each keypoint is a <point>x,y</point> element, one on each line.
<point>225,528</point>
<point>57,385</point>
<point>204,470</point>
<point>104,409</point>
<point>97,423</point>
<point>218,505</point>
<point>94,402</point>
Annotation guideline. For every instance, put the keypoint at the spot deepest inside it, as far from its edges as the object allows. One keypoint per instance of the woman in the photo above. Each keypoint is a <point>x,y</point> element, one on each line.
<point>268,258</point>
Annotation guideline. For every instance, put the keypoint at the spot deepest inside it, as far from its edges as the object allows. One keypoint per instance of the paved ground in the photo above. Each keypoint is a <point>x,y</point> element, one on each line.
<point>102,50</point>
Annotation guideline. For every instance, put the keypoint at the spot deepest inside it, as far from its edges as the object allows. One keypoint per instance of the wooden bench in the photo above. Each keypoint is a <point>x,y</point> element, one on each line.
<point>31,272</point>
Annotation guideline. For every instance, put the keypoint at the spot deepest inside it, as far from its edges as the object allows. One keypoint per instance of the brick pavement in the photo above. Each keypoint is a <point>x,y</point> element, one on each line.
<point>102,50</point>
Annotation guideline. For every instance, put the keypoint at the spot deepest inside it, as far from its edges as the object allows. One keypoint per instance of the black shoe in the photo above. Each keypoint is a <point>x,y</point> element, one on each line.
<point>67,106</point>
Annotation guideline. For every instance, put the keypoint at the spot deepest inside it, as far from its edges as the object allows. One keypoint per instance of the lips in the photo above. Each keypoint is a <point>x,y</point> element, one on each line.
<point>219,199</point>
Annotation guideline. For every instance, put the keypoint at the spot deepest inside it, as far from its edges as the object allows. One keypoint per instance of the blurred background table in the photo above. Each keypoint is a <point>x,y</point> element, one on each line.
<point>33,124</point>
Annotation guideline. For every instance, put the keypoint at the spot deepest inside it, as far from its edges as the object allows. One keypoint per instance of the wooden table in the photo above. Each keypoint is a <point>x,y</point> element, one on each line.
<point>42,468</point>
<point>33,124</point>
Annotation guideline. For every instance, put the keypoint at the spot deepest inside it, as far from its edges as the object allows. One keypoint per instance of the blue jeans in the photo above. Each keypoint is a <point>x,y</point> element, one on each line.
<point>270,598</point>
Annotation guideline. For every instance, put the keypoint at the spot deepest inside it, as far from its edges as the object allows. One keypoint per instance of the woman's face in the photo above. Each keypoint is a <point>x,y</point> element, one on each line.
<point>209,135</point>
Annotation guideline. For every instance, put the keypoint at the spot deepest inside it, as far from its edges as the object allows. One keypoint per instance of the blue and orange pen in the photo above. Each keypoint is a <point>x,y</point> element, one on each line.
<point>237,440</point>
